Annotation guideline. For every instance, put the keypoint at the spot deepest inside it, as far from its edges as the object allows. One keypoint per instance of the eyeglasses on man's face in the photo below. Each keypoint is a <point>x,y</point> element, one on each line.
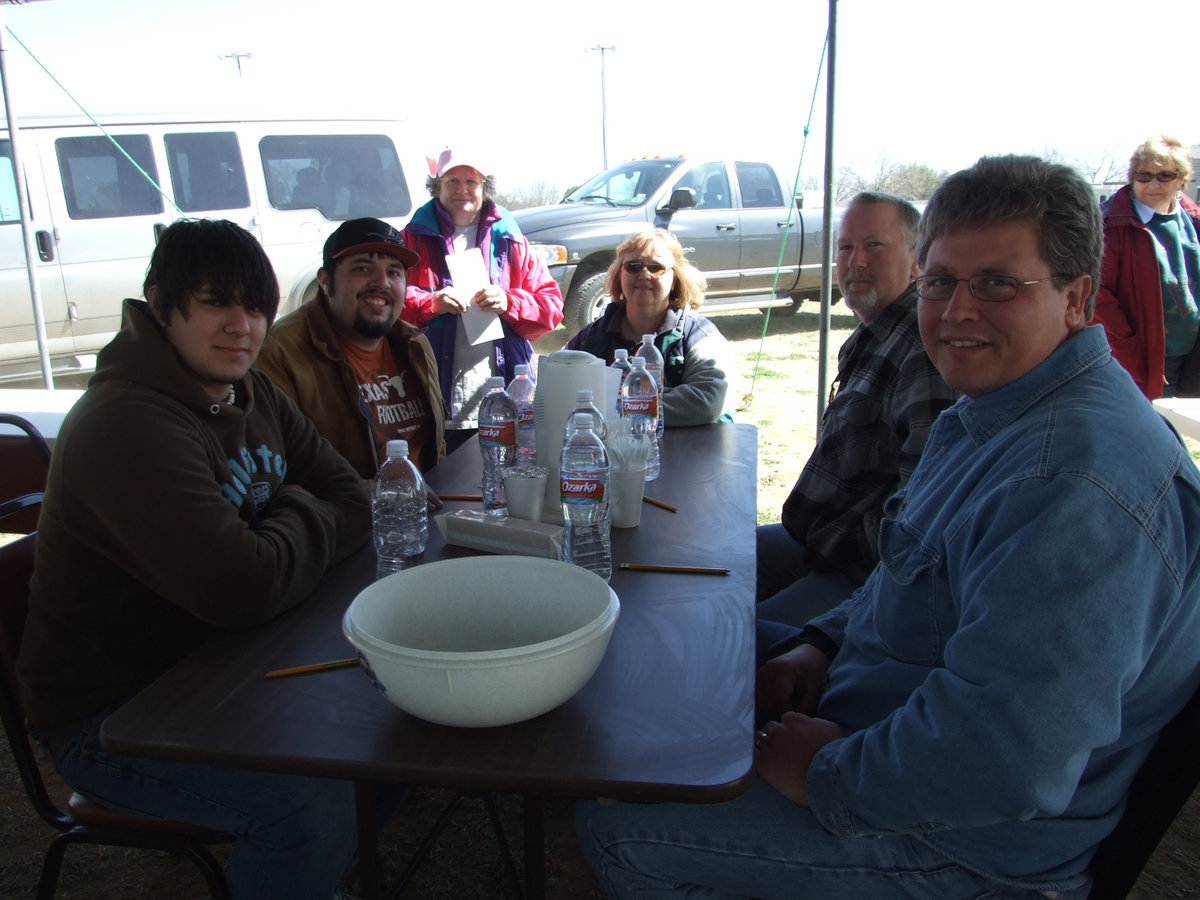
<point>633,267</point>
<point>1147,177</point>
<point>989,288</point>
<point>471,183</point>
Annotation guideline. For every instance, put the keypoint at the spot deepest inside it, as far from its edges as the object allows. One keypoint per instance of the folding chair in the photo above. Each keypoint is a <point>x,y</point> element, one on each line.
<point>83,821</point>
<point>1161,787</point>
<point>24,466</point>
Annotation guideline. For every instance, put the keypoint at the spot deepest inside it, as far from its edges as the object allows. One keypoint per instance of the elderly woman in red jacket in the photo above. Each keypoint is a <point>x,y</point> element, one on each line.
<point>1149,296</point>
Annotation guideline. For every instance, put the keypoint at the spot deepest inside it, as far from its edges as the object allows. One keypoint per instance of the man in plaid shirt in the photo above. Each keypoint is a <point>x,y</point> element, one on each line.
<point>885,398</point>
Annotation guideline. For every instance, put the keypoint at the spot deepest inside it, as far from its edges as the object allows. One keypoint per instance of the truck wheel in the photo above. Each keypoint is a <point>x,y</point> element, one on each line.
<point>586,304</point>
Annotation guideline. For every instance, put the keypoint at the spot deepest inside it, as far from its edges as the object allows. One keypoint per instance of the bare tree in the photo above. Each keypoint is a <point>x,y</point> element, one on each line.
<point>1106,168</point>
<point>912,181</point>
<point>540,193</point>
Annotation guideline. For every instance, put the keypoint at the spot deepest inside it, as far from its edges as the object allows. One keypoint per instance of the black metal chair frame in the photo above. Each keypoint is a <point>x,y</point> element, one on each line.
<point>84,821</point>
<point>1168,777</point>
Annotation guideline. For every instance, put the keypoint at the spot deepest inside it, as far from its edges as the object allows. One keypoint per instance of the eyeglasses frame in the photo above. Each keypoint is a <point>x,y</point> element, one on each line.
<point>1017,285</point>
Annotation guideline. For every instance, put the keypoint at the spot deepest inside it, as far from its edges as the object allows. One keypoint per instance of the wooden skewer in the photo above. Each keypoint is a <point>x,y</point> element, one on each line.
<point>315,667</point>
<point>684,570</point>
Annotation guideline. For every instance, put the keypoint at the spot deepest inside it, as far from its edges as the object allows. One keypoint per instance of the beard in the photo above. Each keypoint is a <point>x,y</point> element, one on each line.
<point>864,303</point>
<point>373,329</point>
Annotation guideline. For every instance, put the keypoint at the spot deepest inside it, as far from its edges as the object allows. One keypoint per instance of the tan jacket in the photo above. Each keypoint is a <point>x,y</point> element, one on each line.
<point>302,356</point>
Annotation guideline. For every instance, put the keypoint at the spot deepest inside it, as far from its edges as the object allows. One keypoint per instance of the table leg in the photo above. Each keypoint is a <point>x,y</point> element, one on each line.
<point>535,846</point>
<point>370,873</point>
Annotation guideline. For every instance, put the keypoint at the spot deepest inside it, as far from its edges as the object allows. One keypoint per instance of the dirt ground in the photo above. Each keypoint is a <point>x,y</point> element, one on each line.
<point>780,387</point>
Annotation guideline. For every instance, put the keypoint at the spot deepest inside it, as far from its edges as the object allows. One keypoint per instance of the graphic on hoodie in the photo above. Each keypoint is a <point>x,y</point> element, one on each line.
<point>263,460</point>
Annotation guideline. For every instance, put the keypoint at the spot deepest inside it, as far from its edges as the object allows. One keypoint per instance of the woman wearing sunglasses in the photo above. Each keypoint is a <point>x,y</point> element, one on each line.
<point>654,290</point>
<point>1149,296</point>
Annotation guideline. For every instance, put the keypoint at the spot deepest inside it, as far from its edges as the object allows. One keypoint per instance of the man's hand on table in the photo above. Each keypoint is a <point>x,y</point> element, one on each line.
<point>784,750</point>
<point>786,692</point>
<point>792,682</point>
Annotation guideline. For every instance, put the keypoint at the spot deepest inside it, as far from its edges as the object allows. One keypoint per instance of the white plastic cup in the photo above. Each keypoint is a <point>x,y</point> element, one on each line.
<point>625,489</point>
<point>525,491</point>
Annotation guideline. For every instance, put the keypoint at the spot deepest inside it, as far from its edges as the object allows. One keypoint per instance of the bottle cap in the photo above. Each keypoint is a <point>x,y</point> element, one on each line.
<point>583,420</point>
<point>496,381</point>
<point>647,339</point>
<point>397,449</point>
<point>621,353</point>
<point>583,394</point>
<point>520,369</point>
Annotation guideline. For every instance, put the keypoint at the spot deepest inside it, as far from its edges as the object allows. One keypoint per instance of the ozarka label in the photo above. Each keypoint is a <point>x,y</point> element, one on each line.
<point>582,487</point>
<point>640,406</point>
<point>503,434</point>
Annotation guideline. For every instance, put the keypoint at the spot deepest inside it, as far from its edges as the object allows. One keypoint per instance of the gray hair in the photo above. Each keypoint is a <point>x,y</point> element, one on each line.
<point>1053,198</point>
<point>433,184</point>
<point>910,216</point>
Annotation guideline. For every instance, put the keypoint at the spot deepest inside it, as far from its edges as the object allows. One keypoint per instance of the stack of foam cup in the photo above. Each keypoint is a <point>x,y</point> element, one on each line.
<point>627,458</point>
<point>560,375</point>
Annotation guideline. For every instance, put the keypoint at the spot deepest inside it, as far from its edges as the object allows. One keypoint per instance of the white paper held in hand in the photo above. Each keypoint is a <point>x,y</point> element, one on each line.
<point>469,274</point>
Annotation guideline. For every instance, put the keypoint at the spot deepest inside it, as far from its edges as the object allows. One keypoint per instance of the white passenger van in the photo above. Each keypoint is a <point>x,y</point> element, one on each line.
<point>99,196</point>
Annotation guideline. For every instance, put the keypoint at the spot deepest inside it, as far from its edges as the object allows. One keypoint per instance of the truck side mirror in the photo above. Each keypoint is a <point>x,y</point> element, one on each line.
<point>682,198</point>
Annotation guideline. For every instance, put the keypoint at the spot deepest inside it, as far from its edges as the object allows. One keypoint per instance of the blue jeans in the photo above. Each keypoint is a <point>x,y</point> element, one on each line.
<point>296,836</point>
<point>787,590</point>
<point>765,846</point>
<point>789,594</point>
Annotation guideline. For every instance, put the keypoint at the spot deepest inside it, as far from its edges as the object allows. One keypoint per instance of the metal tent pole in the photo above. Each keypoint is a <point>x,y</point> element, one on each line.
<point>827,220</point>
<point>35,294</point>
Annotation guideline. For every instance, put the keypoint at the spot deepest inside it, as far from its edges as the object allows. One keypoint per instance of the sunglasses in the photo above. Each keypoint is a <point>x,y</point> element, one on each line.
<point>633,267</point>
<point>1147,177</point>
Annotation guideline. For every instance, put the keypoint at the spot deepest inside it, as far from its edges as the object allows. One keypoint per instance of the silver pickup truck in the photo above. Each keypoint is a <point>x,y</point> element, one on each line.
<point>730,216</point>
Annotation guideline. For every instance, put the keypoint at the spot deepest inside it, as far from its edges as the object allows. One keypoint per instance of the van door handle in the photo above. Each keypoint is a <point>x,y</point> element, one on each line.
<point>45,246</point>
<point>728,227</point>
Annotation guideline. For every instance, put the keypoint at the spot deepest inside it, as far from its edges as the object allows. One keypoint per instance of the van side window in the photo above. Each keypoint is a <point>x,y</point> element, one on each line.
<point>100,182</point>
<point>10,211</point>
<point>206,171</point>
<point>344,176</point>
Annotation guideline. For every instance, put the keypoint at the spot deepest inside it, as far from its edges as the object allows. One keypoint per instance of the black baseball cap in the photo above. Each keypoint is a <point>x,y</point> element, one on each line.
<point>366,236</point>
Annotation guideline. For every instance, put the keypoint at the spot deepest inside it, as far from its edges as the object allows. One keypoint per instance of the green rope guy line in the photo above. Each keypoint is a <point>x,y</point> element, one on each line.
<point>92,118</point>
<point>748,399</point>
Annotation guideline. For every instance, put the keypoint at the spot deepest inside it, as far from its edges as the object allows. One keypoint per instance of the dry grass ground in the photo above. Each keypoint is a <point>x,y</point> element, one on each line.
<point>464,864</point>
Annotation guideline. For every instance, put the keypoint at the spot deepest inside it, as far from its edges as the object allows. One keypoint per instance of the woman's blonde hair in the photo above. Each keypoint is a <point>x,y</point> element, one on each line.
<point>688,289</point>
<point>1167,151</point>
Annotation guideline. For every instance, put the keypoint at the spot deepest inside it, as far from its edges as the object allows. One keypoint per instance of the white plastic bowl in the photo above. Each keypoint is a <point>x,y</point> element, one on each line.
<point>485,640</point>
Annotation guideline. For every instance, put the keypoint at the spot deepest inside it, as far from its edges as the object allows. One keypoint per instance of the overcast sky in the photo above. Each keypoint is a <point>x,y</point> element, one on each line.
<point>939,82</point>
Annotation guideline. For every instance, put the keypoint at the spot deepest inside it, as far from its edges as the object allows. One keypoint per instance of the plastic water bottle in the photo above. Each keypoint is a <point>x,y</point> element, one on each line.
<point>621,363</point>
<point>654,365</point>
<point>497,443</point>
<point>585,403</point>
<point>398,512</point>
<point>639,405</point>
<point>521,389</point>
<point>583,485</point>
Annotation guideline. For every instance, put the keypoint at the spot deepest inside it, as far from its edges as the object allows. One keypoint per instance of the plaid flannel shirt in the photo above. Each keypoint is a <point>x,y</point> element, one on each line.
<point>886,396</point>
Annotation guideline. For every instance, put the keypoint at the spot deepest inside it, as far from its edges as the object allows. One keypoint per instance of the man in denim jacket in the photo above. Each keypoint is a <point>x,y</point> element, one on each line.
<point>967,724</point>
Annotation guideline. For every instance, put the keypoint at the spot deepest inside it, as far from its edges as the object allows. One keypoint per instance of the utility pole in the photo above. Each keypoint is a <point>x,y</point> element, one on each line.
<point>603,100</point>
<point>237,57</point>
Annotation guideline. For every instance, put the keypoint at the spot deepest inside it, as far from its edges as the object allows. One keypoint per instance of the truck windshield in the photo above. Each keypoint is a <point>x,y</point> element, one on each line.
<point>628,184</point>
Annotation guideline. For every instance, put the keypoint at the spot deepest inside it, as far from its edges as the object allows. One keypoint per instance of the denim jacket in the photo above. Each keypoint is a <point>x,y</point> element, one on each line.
<point>1032,625</point>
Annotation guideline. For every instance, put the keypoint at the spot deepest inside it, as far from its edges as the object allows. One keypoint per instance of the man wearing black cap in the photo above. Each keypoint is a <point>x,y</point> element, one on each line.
<point>332,358</point>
